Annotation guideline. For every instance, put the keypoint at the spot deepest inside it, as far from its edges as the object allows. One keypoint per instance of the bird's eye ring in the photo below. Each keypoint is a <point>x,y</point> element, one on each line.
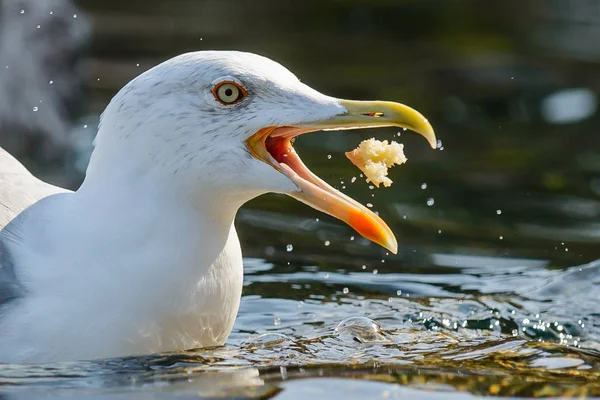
<point>229,93</point>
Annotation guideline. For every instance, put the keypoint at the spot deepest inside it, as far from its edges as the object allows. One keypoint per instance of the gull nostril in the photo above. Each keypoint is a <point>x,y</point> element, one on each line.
<point>374,114</point>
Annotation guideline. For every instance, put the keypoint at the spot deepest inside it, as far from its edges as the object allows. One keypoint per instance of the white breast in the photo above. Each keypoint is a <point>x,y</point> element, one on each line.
<point>155,280</point>
<point>209,317</point>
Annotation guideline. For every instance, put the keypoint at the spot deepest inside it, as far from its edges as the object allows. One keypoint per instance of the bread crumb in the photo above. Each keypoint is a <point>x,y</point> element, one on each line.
<point>374,157</point>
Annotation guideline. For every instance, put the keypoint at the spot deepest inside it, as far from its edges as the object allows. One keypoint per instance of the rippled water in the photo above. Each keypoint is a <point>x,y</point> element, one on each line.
<point>495,289</point>
<point>472,325</point>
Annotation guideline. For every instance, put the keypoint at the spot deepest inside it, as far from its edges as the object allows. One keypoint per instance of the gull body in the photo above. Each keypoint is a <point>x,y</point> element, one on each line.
<point>144,256</point>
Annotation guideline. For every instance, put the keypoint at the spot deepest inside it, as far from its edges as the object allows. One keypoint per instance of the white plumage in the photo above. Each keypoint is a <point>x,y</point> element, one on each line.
<point>144,257</point>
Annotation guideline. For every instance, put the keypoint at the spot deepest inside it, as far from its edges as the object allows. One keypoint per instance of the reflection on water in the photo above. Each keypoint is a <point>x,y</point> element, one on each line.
<point>481,325</point>
<point>494,290</point>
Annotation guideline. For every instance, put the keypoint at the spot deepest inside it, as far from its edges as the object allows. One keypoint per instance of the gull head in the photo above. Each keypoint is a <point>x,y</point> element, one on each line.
<point>219,126</point>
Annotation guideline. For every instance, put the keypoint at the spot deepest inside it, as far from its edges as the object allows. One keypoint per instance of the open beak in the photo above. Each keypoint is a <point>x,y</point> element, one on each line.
<point>273,145</point>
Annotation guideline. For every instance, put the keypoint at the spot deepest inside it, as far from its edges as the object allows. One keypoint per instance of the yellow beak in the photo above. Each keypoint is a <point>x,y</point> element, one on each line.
<point>376,114</point>
<point>273,146</point>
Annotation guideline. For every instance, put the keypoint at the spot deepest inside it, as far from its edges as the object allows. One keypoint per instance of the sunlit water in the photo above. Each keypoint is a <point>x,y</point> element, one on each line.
<point>470,325</point>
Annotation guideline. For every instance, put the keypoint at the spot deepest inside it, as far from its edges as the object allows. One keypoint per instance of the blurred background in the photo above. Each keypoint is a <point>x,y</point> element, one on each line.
<point>511,89</point>
<point>488,224</point>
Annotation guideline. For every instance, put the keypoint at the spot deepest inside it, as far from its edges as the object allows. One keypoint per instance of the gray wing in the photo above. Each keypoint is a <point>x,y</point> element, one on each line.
<point>19,189</point>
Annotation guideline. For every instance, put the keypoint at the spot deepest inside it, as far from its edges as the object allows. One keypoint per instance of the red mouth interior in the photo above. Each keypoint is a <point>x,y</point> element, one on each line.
<point>279,148</point>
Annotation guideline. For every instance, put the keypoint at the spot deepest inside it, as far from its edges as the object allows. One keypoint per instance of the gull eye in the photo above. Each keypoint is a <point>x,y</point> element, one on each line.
<point>229,93</point>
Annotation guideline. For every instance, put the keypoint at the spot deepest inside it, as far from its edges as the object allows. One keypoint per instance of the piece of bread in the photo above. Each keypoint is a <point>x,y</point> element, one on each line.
<point>374,157</point>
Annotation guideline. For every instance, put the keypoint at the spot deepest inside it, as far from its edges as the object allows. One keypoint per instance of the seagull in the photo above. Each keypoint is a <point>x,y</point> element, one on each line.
<point>144,257</point>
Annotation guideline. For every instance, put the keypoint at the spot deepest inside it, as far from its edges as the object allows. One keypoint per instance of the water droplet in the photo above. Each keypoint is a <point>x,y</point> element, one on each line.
<point>329,156</point>
<point>364,267</point>
<point>137,65</point>
<point>361,329</point>
<point>398,292</point>
<point>51,12</point>
<point>276,321</point>
<point>38,27</point>
<point>22,11</point>
<point>327,243</point>
<point>404,129</point>
<point>74,15</point>
<point>326,276</point>
<point>375,272</point>
<point>85,127</point>
<point>51,82</point>
<point>498,212</point>
<point>289,247</point>
<point>404,217</point>
<point>501,238</point>
<point>371,187</point>
<point>317,219</point>
<point>566,249</point>
<point>369,205</point>
<point>345,290</point>
<point>438,145</point>
<point>351,238</point>
<point>430,201</point>
<point>270,340</point>
<point>440,231</point>
<point>35,109</point>
<point>353,179</point>
<point>423,186</point>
